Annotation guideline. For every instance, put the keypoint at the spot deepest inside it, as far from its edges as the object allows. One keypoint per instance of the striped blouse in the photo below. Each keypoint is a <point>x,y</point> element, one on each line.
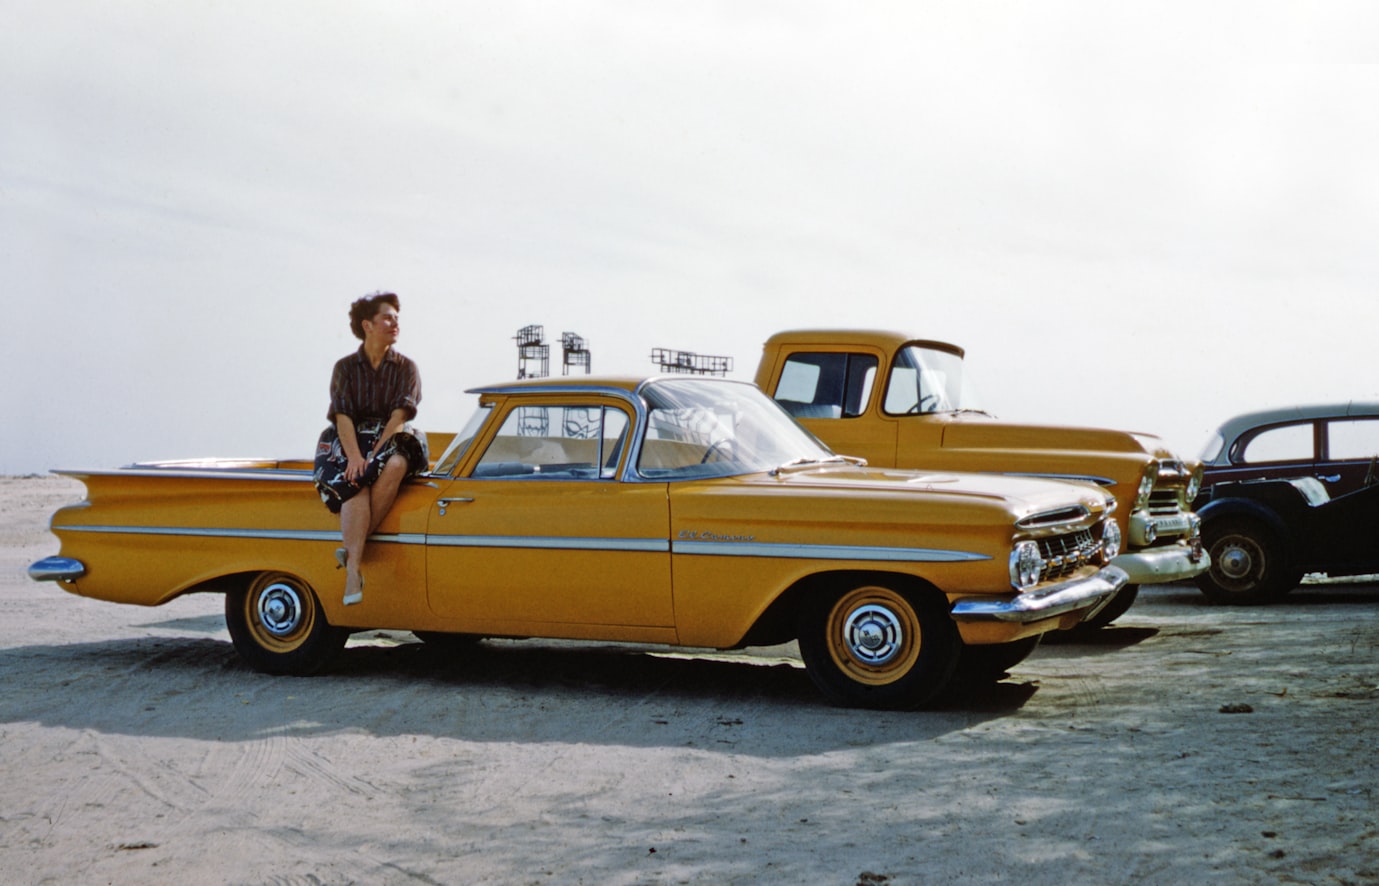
<point>362,392</point>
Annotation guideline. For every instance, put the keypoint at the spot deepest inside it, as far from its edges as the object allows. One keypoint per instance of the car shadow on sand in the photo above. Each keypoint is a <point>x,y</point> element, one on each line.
<point>197,688</point>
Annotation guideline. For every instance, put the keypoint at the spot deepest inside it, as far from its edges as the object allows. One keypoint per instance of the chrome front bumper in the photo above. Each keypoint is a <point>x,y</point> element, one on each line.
<point>1084,593</point>
<point>1177,562</point>
<point>57,569</point>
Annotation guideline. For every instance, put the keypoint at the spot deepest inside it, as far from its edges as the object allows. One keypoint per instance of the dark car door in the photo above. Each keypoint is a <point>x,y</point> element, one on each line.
<point>1350,447</point>
<point>1272,452</point>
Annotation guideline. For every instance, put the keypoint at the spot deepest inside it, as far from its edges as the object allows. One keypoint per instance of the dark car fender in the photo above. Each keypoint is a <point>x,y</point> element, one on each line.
<point>1231,507</point>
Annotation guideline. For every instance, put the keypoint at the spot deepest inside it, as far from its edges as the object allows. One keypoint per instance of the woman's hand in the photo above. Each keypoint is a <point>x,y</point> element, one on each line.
<point>354,469</point>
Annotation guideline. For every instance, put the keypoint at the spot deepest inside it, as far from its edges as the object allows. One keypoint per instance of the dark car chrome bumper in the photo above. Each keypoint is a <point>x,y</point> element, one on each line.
<point>57,569</point>
<point>1089,593</point>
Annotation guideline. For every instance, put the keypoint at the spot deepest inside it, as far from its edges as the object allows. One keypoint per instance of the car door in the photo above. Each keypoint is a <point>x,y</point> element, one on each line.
<point>1274,452</point>
<point>829,392</point>
<point>542,537</point>
<point>1350,454</point>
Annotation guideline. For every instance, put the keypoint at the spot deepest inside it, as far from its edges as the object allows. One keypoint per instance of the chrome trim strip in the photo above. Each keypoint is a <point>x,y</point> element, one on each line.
<point>640,545</point>
<point>57,569</point>
<point>823,552</point>
<point>636,545</point>
<point>219,532</point>
<point>1089,593</point>
<point>1084,478</point>
<point>275,475</point>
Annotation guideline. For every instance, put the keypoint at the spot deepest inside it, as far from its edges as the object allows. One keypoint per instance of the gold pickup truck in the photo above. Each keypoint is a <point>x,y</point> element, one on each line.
<point>681,511</point>
<point>899,401</point>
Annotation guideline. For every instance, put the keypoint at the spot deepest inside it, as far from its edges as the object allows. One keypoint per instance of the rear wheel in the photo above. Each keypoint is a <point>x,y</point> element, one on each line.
<point>1248,564</point>
<point>878,646</point>
<point>278,627</point>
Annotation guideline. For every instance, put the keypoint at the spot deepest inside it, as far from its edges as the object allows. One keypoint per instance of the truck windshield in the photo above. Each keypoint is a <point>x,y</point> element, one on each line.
<point>925,380</point>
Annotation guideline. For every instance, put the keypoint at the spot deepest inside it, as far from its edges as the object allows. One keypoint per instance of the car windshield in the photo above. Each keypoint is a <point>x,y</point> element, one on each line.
<point>456,450</point>
<point>925,379</point>
<point>707,428</point>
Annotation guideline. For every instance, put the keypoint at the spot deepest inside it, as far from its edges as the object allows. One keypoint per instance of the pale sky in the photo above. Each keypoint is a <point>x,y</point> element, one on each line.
<point>1148,217</point>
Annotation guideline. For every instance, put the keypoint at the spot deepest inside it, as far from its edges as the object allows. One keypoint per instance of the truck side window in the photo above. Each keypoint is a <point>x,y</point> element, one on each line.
<point>826,385</point>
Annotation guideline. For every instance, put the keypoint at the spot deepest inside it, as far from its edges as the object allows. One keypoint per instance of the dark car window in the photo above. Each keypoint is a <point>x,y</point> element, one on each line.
<point>1285,443</point>
<point>1352,440</point>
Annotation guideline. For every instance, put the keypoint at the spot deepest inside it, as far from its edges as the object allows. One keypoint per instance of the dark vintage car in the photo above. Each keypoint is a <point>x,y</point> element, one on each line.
<point>1334,442</point>
<point>1265,535</point>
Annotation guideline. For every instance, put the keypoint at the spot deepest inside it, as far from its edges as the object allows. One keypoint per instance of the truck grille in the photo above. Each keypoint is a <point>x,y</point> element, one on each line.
<point>1164,502</point>
<point>1065,554</point>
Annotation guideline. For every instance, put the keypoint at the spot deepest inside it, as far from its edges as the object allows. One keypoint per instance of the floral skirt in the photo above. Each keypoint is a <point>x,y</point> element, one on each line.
<point>331,460</point>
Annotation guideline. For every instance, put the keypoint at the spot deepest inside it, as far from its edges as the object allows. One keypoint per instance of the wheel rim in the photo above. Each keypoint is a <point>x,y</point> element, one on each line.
<point>280,612</point>
<point>1238,562</point>
<point>874,635</point>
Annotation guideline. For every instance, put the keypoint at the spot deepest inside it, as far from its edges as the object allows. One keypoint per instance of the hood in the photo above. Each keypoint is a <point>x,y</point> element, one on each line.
<point>1024,496</point>
<point>972,431</point>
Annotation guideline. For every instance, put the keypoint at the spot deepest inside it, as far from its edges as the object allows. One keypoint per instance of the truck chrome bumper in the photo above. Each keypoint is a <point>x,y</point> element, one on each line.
<point>1169,563</point>
<point>1084,593</point>
<point>57,569</point>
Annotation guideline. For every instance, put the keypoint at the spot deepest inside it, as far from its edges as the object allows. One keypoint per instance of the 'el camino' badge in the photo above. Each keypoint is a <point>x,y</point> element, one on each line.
<point>696,535</point>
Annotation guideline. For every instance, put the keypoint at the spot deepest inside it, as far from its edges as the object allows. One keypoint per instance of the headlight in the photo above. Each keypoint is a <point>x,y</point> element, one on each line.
<point>1151,474</point>
<point>1026,565</point>
<point>1194,486</point>
<point>1110,539</point>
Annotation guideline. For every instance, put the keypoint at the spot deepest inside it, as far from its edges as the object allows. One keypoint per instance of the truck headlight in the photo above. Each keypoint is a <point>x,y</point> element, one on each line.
<point>1110,539</point>
<point>1194,486</point>
<point>1147,480</point>
<point>1026,565</point>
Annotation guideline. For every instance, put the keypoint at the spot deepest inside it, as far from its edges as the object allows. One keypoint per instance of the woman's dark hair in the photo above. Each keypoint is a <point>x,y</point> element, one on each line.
<point>367,308</point>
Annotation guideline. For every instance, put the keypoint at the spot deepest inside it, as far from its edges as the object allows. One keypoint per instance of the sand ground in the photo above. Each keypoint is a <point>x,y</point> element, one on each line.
<point>136,748</point>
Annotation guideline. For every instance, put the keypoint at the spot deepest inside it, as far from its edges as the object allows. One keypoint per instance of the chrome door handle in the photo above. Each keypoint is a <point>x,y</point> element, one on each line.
<point>447,502</point>
<point>1330,478</point>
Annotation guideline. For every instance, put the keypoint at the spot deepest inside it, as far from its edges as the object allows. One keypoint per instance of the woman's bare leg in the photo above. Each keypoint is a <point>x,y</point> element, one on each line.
<point>355,516</point>
<point>384,490</point>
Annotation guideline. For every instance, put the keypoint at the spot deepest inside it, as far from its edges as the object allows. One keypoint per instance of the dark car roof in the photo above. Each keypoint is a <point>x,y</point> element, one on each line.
<point>1234,427</point>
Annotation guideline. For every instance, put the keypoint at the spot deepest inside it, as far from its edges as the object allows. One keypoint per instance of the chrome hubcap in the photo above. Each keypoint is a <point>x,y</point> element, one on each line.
<point>873,635</point>
<point>1236,562</point>
<point>280,609</point>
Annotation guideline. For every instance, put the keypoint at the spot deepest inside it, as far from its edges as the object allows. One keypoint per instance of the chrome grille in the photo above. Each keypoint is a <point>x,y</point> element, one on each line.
<point>1065,554</point>
<point>1164,502</point>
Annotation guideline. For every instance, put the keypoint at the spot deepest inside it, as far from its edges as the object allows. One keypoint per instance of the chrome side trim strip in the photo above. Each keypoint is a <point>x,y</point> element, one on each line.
<point>1084,478</point>
<point>641,545</point>
<point>638,545</point>
<point>823,552</point>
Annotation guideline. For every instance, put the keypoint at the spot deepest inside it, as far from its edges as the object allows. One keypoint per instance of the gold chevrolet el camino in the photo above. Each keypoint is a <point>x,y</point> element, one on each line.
<point>684,511</point>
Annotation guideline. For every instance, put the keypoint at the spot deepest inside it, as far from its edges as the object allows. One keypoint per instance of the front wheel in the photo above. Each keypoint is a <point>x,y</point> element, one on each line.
<point>278,627</point>
<point>1247,564</point>
<point>878,646</point>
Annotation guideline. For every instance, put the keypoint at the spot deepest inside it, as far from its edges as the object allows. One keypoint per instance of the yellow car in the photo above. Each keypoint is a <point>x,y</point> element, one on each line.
<point>684,511</point>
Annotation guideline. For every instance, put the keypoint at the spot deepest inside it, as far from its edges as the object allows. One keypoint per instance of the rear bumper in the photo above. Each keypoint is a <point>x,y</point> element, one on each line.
<point>1087,594</point>
<point>57,569</point>
<point>1177,562</point>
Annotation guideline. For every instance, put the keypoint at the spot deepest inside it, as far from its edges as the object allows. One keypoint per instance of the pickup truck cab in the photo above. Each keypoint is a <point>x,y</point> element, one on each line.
<point>903,402</point>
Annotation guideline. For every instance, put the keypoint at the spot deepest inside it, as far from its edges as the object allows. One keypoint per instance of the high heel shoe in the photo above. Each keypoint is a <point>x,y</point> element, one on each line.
<point>341,557</point>
<point>357,595</point>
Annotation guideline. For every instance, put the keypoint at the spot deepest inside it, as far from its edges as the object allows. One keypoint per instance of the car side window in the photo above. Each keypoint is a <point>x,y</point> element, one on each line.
<point>1280,444</point>
<point>826,384</point>
<point>1352,439</point>
<point>556,442</point>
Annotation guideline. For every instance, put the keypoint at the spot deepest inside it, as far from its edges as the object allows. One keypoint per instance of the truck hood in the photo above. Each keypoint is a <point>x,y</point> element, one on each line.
<point>976,431</point>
